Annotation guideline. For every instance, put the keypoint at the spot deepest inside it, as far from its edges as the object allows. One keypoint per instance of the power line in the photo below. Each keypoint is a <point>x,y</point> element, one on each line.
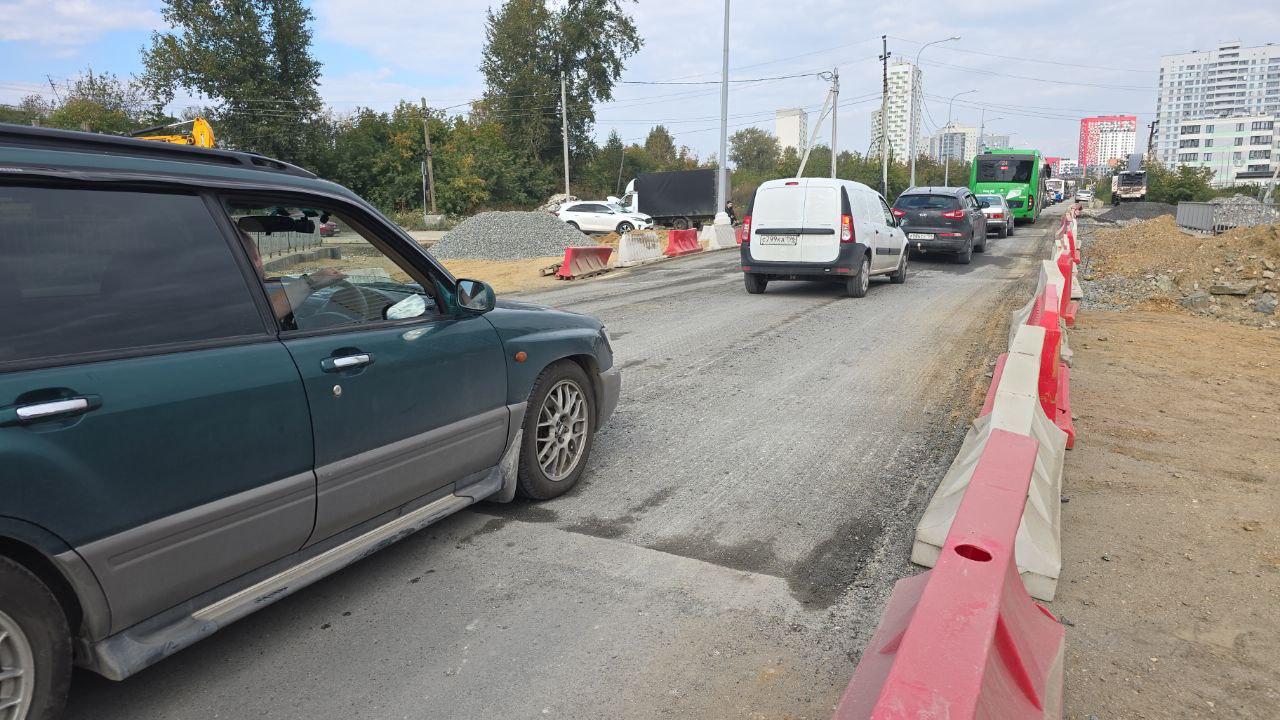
<point>979,71</point>
<point>713,82</point>
<point>1033,60</point>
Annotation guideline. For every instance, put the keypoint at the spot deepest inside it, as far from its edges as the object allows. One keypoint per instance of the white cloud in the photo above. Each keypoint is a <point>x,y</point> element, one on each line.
<point>67,24</point>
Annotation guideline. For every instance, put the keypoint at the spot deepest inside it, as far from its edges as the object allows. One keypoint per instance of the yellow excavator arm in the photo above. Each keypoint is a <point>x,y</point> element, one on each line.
<point>200,134</point>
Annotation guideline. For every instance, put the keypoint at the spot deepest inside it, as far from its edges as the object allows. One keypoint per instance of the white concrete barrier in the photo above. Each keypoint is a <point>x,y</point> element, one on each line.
<point>718,237</point>
<point>638,247</point>
<point>1016,408</point>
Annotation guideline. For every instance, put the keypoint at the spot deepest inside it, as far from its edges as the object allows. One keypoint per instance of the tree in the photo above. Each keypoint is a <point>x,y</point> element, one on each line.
<point>527,48</point>
<point>753,149</point>
<point>99,102</point>
<point>252,59</point>
<point>660,146</point>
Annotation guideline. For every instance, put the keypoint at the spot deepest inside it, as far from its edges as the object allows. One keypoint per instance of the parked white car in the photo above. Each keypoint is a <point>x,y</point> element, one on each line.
<point>603,217</point>
<point>999,215</point>
<point>821,229</point>
<point>1084,196</point>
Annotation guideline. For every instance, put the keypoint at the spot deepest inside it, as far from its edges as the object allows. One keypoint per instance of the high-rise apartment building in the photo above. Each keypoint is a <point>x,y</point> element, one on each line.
<point>1240,150</point>
<point>905,100</point>
<point>993,141</point>
<point>1226,82</point>
<point>955,142</point>
<point>1105,140</point>
<point>792,128</point>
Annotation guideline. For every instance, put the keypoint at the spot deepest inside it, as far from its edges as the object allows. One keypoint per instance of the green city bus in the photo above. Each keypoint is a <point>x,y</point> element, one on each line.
<point>1018,175</point>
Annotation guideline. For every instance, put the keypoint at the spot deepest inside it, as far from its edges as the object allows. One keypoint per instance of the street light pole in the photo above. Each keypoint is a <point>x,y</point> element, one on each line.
<point>911,136</point>
<point>722,176</point>
<point>946,160</point>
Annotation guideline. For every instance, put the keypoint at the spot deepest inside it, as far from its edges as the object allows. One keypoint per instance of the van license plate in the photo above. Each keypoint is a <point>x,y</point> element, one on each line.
<point>919,236</point>
<point>777,239</point>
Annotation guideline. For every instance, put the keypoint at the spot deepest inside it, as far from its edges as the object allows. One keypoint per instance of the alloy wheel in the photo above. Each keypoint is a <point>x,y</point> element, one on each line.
<point>562,430</point>
<point>17,666</point>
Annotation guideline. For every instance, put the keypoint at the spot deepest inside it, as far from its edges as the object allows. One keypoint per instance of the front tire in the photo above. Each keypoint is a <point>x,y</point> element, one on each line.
<point>574,225</point>
<point>856,285</point>
<point>755,283</point>
<point>625,227</point>
<point>35,641</point>
<point>559,427</point>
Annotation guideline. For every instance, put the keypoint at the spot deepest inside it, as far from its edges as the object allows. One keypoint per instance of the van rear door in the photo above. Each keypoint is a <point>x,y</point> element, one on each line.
<point>796,223</point>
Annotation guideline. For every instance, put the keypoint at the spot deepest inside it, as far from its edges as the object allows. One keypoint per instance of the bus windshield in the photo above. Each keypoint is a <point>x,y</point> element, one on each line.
<point>1005,168</point>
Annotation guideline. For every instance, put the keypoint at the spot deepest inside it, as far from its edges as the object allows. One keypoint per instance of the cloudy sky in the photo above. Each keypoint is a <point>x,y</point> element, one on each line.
<point>1037,68</point>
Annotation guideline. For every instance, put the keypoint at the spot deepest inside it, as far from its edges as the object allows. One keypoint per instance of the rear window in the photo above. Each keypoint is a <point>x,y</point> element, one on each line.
<point>86,271</point>
<point>927,202</point>
<point>778,207</point>
<point>993,199</point>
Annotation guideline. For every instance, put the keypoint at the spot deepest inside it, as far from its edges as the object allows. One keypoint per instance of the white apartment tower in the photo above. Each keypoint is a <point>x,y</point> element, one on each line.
<point>906,98</point>
<point>1230,81</point>
<point>792,128</point>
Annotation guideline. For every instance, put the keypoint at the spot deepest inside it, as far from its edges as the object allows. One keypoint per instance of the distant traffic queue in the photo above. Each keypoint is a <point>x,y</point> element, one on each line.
<point>1020,176</point>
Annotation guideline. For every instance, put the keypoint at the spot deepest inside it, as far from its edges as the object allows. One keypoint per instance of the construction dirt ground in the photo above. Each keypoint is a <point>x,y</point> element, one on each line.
<point>1171,537</point>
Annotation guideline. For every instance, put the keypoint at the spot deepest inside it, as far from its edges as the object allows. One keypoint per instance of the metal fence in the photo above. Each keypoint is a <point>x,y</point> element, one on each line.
<point>1225,213</point>
<point>1197,216</point>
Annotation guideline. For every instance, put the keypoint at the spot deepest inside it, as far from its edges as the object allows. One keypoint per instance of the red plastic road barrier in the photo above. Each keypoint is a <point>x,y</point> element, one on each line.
<point>995,384</point>
<point>682,242</point>
<point>1054,381</point>
<point>583,261</point>
<point>964,640</point>
<point>1073,309</point>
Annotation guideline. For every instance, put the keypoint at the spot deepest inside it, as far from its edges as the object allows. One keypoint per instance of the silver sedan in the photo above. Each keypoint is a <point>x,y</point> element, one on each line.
<point>999,216</point>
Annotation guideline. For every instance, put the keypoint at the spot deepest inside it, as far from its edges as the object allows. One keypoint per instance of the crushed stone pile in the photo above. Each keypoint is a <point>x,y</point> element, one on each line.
<point>509,236</point>
<point>1152,263</point>
<point>1136,211</point>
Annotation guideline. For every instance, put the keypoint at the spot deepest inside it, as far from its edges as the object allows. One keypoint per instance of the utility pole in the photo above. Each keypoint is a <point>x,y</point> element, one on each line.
<point>430,194</point>
<point>1151,142</point>
<point>884,119</point>
<point>564,130</point>
<point>946,167</point>
<point>722,175</point>
<point>835,103</point>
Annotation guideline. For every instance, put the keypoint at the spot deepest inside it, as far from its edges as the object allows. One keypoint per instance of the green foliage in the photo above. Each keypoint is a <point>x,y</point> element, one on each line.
<point>528,47</point>
<point>1184,183</point>
<point>252,59</point>
<point>98,102</point>
<point>754,150</point>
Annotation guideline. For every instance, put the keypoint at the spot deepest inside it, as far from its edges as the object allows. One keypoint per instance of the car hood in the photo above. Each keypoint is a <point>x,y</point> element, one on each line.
<point>514,314</point>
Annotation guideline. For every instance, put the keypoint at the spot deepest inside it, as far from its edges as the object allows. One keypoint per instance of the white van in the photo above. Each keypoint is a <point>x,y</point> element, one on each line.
<point>819,229</point>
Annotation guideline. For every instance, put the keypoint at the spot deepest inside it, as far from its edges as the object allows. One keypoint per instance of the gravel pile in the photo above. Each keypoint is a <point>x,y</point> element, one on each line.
<point>509,236</point>
<point>1136,211</point>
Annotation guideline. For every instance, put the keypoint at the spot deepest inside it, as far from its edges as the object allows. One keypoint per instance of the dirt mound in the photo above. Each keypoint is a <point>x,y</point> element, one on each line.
<point>1153,263</point>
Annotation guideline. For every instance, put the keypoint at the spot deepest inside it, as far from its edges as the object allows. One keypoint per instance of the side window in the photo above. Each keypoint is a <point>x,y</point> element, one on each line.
<point>321,271</point>
<point>888,214</point>
<point>101,271</point>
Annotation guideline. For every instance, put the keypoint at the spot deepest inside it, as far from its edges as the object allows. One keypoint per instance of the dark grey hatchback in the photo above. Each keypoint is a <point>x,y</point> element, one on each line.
<point>942,219</point>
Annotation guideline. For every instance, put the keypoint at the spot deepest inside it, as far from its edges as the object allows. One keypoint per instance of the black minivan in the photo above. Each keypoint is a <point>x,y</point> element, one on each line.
<point>942,219</point>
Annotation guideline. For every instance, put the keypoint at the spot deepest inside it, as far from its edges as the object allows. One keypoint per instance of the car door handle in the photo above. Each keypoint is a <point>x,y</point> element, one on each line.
<point>35,412</point>
<point>345,362</point>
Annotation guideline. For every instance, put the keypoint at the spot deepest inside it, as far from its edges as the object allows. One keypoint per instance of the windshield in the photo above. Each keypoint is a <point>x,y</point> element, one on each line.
<point>927,202</point>
<point>1005,168</point>
<point>1132,178</point>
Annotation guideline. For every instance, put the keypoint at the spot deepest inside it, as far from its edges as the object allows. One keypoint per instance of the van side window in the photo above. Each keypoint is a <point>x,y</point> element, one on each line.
<point>888,214</point>
<point>95,271</point>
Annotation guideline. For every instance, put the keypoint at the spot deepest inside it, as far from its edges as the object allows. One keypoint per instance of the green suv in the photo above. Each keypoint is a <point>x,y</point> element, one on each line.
<point>221,379</point>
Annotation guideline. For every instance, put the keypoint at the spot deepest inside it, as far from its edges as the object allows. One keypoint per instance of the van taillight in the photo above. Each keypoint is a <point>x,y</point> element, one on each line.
<point>846,229</point>
<point>746,229</point>
<point>953,214</point>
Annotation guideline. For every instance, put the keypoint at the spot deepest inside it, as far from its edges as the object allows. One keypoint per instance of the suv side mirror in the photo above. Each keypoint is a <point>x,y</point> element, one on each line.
<point>475,296</point>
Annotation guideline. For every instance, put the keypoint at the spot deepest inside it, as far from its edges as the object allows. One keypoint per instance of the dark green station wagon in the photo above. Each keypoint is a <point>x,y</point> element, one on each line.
<point>222,379</point>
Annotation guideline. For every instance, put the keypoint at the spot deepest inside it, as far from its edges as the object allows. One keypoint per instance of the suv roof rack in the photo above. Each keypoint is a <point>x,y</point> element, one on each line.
<point>75,140</point>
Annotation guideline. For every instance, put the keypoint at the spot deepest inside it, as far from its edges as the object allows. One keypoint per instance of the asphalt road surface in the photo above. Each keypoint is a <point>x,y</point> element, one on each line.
<point>727,554</point>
